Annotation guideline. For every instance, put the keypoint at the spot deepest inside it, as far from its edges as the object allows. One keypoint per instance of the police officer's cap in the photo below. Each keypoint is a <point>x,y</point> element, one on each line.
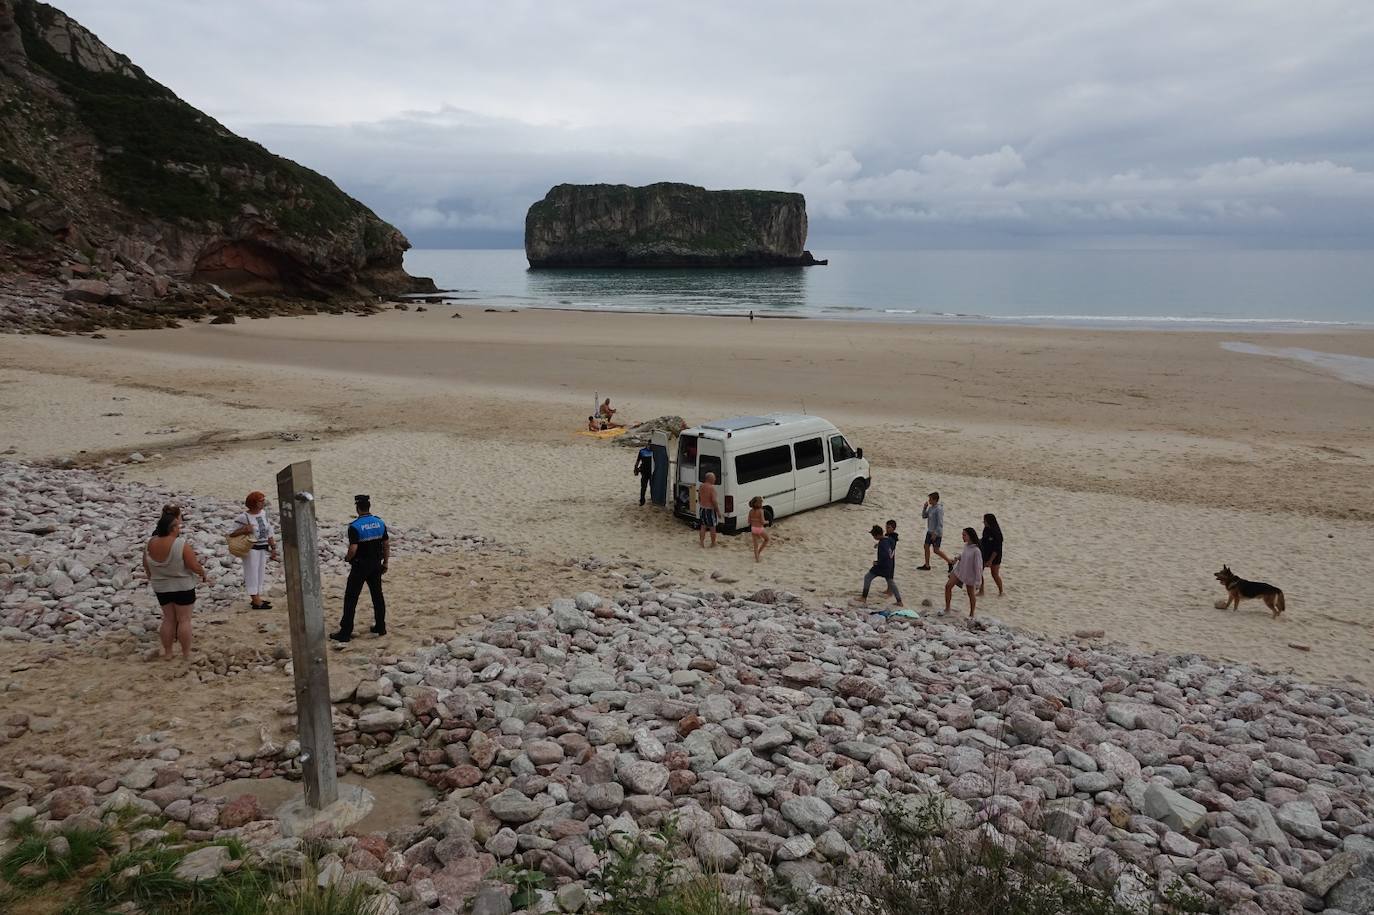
<point>362,498</point>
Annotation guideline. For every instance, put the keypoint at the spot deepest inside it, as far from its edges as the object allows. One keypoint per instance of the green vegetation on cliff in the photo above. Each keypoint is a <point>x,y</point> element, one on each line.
<point>665,225</point>
<point>164,158</point>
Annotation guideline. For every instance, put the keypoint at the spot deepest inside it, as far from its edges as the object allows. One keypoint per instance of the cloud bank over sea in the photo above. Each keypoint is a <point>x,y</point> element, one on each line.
<point>1234,123</point>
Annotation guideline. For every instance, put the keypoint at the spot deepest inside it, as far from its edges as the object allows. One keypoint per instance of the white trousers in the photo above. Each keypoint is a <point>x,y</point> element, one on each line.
<point>255,571</point>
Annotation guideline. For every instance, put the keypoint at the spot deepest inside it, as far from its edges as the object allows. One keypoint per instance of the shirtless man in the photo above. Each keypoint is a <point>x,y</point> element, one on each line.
<point>708,509</point>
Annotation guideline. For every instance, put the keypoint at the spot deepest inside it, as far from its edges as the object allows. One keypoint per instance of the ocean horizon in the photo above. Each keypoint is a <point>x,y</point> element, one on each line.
<point>1236,290</point>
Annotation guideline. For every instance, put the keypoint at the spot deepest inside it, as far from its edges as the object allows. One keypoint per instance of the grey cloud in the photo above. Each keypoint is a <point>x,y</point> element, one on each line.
<point>966,122</point>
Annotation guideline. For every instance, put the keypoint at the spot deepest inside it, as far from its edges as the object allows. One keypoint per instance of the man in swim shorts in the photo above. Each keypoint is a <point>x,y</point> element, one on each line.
<point>708,509</point>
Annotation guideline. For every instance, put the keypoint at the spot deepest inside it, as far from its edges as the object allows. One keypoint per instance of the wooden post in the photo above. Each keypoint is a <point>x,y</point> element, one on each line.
<point>309,654</point>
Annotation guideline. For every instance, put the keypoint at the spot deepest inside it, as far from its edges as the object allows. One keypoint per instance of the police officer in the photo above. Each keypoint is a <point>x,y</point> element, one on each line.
<point>369,548</point>
<point>644,468</point>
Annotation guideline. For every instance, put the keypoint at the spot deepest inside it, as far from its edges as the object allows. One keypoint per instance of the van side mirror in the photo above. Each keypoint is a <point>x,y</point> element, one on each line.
<point>859,454</point>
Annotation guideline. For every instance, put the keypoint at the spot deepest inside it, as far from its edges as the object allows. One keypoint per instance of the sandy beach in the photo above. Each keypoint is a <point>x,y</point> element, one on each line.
<point>1126,466</point>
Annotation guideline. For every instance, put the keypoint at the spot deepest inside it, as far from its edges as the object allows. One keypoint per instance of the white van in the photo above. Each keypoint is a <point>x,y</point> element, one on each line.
<point>794,462</point>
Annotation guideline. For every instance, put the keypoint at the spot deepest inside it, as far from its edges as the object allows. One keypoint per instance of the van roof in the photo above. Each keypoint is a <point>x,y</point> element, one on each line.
<point>762,424</point>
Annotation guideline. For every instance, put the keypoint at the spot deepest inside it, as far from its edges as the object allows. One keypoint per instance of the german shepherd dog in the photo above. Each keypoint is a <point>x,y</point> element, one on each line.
<point>1238,589</point>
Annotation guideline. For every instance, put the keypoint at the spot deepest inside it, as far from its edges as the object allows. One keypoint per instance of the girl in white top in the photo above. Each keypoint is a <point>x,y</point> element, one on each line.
<point>172,569</point>
<point>967,571</point>
<point>255,523</point>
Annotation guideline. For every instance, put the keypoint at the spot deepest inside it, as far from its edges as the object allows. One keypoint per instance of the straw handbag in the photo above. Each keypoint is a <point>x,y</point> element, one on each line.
<point>240,545</point>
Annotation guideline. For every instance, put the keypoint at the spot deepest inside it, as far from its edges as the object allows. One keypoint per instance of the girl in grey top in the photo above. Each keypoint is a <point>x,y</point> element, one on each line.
<point>172,568</point>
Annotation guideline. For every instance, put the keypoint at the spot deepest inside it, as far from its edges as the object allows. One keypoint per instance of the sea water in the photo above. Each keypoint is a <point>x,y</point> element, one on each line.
<point>1234,290</point>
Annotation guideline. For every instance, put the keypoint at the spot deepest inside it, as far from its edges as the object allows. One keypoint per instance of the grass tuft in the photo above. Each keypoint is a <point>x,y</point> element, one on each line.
<point>32,863</point>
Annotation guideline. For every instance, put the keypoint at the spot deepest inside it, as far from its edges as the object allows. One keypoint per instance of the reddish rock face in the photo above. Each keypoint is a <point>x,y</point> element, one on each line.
<point>680,781</point>
<point>689,724</point>
<point>240,811</point>
<point>462,777</point>
<point>64,802</point>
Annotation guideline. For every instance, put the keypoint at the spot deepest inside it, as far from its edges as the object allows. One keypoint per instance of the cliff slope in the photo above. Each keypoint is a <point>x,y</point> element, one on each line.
<point>666,225</point>
<point>107,177</point>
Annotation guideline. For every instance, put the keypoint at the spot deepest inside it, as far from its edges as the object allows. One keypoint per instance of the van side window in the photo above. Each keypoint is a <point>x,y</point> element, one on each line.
<point>759,465</point>
<point>839,449</point>
<point>709,463</point>
<point>809,453</point>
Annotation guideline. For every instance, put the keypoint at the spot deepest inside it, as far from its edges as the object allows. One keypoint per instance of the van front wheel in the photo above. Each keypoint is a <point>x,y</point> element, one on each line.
<point>857,490</point>
<point>768,515</point>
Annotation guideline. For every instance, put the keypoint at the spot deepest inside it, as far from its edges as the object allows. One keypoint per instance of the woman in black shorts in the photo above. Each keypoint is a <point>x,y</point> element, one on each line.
<point>172,569</point>
<point>991,546</point>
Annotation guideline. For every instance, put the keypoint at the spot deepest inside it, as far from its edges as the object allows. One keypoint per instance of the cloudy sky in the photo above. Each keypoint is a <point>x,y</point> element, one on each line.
<point>967,123</point>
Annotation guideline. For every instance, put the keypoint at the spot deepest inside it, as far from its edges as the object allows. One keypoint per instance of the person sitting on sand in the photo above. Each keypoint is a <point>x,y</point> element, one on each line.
<point>172,568</point>
<point>885,566</point>
<point>967,572</point>
<point>595,425</point>
<point>757,522</point>
<point>607,411</point>
<point>708,509</point>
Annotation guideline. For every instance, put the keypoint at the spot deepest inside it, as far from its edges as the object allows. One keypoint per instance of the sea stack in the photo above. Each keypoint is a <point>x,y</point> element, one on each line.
<point>666,225</point>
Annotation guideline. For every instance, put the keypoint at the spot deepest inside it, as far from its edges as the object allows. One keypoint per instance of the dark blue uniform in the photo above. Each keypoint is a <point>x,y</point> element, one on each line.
<point>368,532</point>
<point>644,466</point>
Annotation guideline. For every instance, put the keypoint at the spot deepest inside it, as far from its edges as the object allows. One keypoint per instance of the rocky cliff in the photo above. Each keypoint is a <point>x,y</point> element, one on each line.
<point>666,225</point>
<point>107,177</point>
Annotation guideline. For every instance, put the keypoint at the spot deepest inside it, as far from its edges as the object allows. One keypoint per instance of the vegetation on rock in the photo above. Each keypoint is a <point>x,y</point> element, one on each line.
<point>666,225</point>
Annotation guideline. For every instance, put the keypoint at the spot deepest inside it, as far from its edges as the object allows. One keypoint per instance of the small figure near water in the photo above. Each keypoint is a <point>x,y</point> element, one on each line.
<point>708,509</point>
<point>757,523</point>
<point>885,565</point>
<point>172,568</point>
<point>644,469</point>
<point>990,544</point>
<point>934,513</point>
<point>256,524</point>
<point>967,572</point>
<point>369,550</point>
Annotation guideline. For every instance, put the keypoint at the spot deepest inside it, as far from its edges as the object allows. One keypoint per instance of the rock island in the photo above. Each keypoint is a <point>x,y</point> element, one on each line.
<point>666,225</point>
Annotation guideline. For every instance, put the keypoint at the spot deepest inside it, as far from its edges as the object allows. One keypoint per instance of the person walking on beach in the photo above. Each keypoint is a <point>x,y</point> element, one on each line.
<point>369,549</point>
<point>708,509</point>
<point>644,469</point>
<point>934,513</point>
<point>990,545</point>
<point>757,522</point>
<point>967,572</point>
<point>255,523</point>
<point>884,566</point>
<point>891,532</point>
<point>172,568</point>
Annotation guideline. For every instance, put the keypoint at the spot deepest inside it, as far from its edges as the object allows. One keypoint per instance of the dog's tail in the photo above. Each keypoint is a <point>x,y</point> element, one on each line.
<point>1278,602</point>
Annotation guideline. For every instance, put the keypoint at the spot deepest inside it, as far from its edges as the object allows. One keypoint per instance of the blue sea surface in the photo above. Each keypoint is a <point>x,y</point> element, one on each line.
<point>1235,290</point>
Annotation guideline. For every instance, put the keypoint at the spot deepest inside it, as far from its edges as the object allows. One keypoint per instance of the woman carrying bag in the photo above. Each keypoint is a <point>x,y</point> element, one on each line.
<point>252,541</point>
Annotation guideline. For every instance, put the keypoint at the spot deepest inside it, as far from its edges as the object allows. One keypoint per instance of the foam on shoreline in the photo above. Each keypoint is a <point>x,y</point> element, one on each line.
<point>1354,369</point>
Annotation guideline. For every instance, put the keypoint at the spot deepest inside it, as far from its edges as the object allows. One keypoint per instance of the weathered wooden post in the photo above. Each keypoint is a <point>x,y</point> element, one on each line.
<point>309,655</point>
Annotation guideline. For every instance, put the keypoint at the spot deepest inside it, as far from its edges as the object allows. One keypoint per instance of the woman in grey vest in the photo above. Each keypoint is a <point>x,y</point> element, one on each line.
<point>172,569</point>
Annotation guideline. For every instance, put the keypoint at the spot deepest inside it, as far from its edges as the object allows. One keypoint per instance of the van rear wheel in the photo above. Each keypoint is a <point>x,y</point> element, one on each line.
<point>857,490</point>
<point>768,514</point>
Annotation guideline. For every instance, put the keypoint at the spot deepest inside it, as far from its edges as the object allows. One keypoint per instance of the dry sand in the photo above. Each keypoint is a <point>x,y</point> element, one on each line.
<point>1125,466</point>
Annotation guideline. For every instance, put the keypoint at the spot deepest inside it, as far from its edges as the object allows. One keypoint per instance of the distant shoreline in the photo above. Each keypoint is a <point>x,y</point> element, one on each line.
<point>869,316</point>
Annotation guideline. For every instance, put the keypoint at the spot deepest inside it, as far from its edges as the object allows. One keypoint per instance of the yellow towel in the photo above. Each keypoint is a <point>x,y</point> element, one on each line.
<point>602,433</point>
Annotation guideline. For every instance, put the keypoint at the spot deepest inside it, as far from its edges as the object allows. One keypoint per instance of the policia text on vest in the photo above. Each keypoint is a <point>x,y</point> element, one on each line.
<point>369,548</point>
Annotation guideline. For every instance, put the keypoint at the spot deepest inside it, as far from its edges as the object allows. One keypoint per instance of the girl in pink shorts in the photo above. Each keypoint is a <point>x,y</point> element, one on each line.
<point>756,525</point>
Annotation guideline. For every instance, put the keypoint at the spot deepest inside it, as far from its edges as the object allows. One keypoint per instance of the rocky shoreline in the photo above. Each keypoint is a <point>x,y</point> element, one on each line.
<point>34,303</point>
<point>771,731</point>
